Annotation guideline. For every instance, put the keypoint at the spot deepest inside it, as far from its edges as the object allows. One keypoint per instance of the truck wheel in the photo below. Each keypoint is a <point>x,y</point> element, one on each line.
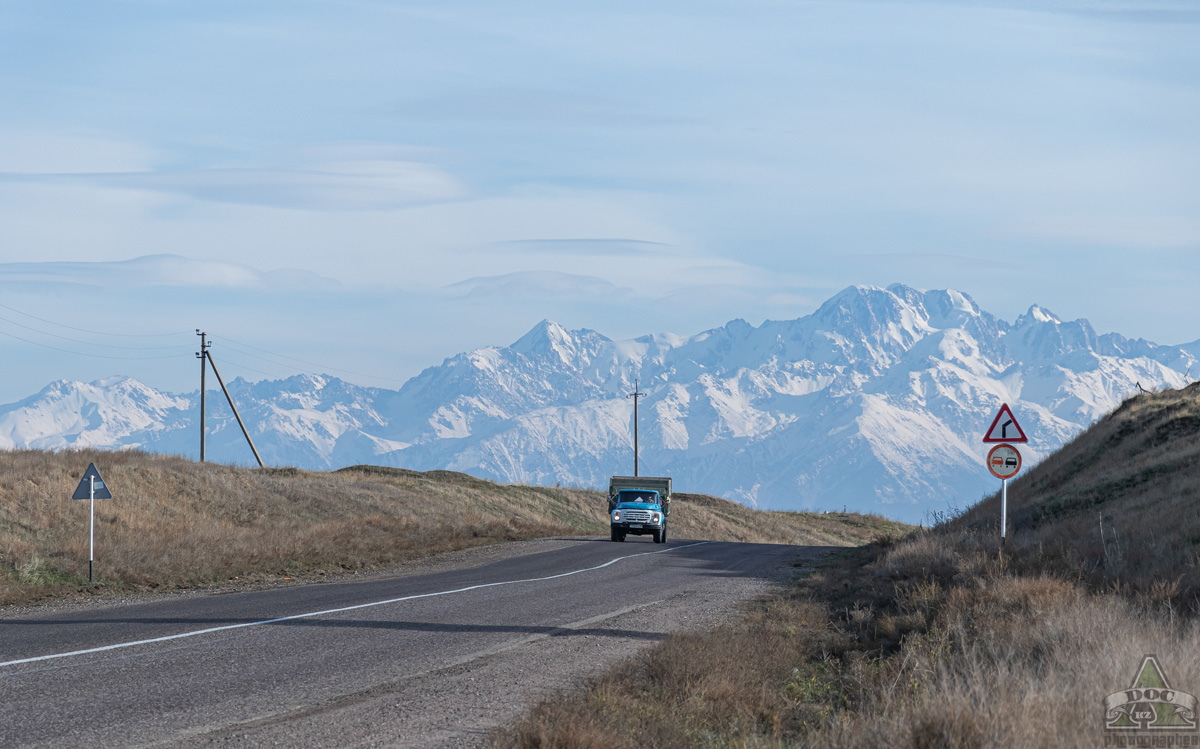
<point>615,535</point>
<point>658,537</point>
<point>664,534</point>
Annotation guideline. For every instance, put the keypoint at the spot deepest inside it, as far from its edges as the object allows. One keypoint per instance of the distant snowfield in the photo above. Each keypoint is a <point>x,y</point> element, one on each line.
<point>877,402</point>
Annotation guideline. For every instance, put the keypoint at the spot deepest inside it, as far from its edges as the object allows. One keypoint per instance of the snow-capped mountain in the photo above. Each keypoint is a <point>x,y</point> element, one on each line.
<point>877,402</point>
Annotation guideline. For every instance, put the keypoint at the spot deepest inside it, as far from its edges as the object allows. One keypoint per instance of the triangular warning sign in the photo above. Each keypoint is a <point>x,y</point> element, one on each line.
<point>1005,428</point>
<point>85,485</point>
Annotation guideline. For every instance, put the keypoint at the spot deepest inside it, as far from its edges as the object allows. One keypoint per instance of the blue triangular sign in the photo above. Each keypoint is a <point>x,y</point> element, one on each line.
<point>85,485</point>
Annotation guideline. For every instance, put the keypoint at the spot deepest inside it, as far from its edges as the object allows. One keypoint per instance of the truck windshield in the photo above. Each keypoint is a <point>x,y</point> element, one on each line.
<point>639,496</point>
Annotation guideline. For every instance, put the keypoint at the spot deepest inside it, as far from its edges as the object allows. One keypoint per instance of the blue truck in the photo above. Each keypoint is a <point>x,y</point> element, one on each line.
<point>639,505</point>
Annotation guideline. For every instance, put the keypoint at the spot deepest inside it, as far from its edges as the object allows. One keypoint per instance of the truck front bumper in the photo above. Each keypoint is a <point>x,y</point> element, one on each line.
<point>635,529</point>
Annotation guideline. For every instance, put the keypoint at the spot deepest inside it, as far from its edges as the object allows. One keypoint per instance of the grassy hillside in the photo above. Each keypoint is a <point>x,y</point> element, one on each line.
<point>173,523</point>
<point>1118,505</point>
<point>941,639</point>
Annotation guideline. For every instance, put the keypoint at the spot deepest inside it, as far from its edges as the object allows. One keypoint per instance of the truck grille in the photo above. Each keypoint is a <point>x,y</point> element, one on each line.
<point>636,516</point>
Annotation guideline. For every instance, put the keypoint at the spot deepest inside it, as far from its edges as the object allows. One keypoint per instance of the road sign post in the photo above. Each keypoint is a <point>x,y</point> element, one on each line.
<point>91,487</point>
<point>91,525</point>
<point>1004,460</point>
<point>1003,512</point>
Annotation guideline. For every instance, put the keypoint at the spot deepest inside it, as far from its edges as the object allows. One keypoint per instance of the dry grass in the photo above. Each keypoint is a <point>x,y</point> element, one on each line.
<point>1115,507</point>
<point>930,643</point>
<point>975,653</point>
<point>176,524</point>
<point>938,640</point>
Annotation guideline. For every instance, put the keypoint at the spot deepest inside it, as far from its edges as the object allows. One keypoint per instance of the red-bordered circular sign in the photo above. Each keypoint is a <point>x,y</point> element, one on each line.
<point>1004,461</point>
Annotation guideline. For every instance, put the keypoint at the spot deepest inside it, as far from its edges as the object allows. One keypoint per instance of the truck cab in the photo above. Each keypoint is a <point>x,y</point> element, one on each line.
<point>639,507</point>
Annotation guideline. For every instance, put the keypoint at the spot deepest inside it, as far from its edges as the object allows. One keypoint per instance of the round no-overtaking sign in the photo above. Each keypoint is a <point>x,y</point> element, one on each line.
<point>1004,461</point>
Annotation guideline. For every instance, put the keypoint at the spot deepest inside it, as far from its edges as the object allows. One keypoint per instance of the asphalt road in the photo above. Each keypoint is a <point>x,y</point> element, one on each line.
<point>433,659</point>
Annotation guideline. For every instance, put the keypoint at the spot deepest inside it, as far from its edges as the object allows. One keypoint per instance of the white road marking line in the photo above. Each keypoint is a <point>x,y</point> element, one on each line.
<point>302,711</point>
<point>311,614</point>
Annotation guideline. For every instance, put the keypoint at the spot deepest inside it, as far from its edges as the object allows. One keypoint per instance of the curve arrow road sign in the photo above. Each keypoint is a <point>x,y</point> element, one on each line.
<point>1005,428</point>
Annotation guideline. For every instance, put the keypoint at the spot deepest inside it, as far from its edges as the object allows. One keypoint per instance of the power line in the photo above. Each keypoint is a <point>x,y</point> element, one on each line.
<point>235,363</point>
<point>234,342</point>
<point>238,365</point>
<point>94,332</point>
<point>90,343</point>
<point>84,353</point>
<point>263,358</point>
<point>325,367</point>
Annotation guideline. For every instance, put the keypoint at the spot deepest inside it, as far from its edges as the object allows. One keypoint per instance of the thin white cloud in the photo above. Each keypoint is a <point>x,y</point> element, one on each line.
<point>357,185</point>
<point>540,285</point>
<point>158,271</point>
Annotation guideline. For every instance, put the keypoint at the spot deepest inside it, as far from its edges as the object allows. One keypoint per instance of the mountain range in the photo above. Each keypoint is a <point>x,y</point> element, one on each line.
<point>876,402</point>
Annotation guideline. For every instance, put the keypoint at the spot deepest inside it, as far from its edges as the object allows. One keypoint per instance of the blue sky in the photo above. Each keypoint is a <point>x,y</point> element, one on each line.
<point>369,187</point>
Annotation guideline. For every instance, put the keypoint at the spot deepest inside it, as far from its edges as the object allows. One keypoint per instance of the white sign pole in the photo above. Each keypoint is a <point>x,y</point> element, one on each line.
<point>1003,509</point>
<point>91,527</point>
<point>91,487</point>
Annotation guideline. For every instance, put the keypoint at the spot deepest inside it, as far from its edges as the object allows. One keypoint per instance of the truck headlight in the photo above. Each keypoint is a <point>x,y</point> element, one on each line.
<point>657,518</point>
<point>617,516</point>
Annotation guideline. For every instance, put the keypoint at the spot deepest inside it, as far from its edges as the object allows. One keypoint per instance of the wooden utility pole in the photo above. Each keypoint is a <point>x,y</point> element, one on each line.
<point>636,394</point>
<point>203,366</point>
<point>206,360</point>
